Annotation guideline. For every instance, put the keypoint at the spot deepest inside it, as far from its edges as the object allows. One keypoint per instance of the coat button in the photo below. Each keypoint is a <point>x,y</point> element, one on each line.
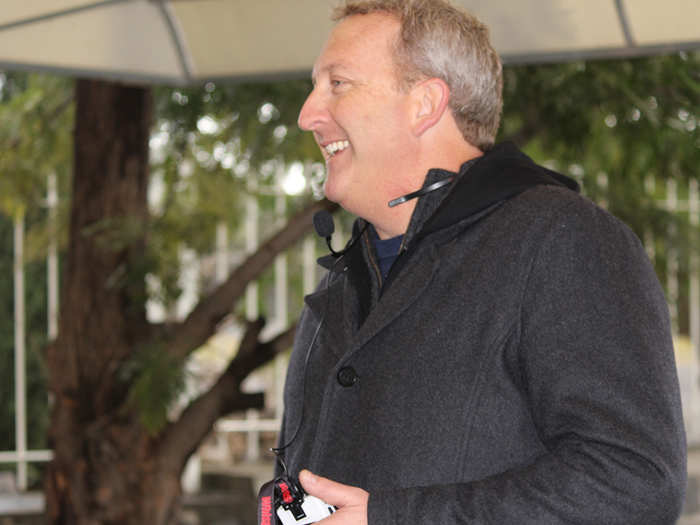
<point>347,376</point>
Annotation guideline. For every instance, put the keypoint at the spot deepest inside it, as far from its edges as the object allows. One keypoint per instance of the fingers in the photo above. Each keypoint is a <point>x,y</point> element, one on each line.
<point>332,492</point>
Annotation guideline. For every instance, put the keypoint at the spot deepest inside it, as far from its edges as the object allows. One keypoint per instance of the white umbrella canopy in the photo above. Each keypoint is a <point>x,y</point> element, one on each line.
<point>193,41</point>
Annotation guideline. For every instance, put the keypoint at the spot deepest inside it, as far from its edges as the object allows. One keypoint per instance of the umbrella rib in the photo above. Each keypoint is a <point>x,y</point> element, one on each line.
<point>624,23</point>
<point>58,14</point>
<point>175,35</point>
<point>600,53</point>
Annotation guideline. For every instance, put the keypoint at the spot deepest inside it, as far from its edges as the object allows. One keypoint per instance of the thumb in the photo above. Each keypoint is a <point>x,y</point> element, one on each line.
<point>330,491</point>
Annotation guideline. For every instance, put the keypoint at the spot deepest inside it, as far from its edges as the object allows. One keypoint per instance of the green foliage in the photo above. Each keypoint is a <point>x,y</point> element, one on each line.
<point>259,118</point>
<point>156,379</point>
<point>35,137</point>
<point>630,120</point>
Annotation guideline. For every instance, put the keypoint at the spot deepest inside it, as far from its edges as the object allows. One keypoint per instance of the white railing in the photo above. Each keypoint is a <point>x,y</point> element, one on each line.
<point>22,456</point>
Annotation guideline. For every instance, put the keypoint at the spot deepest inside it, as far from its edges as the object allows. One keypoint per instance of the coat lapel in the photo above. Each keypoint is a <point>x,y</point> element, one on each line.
<point>332,306</point>
<point>404,291</point>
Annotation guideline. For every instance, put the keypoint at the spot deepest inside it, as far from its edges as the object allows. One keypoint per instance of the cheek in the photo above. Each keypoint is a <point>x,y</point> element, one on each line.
<point>395,134</point>
<point>362,111</point>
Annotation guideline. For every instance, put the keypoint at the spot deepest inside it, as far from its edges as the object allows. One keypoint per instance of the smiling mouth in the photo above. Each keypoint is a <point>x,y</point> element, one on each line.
<point>336,147</point>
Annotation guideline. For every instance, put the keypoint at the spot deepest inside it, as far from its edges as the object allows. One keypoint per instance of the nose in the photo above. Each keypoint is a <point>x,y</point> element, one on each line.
<point>312,112</point>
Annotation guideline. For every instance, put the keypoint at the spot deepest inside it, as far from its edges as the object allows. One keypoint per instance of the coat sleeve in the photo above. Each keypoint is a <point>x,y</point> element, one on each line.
<point>598,370</point>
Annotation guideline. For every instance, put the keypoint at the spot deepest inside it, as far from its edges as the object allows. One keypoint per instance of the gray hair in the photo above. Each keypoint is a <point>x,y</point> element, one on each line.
<point>438,40</point>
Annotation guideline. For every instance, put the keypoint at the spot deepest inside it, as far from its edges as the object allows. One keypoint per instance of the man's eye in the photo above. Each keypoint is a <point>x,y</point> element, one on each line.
<point>336,82</point>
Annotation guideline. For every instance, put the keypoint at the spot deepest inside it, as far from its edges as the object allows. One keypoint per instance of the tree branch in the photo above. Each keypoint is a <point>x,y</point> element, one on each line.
<point>201,323</point>
<point>248,360</point>
<point>182,437</point>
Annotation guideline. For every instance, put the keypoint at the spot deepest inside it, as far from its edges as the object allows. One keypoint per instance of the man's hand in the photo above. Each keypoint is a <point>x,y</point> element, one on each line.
<point>351,501</point>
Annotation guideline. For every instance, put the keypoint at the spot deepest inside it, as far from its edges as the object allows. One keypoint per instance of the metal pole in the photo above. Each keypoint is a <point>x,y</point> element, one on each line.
<point>602,181</point>
<point>251,244</point>
<point>52,258</point>
<point>309,248</point>
<point>694,208</point>
<point>20,355</point>
<point>672,264</point>
<point>251,299</point>
<point>309,264</point>
<point>650,188</point>
<point>221,261</point>
<point>281,295</point>
<point>694,306</point>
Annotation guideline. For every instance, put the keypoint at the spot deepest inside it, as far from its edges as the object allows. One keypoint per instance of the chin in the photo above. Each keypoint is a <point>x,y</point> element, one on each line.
<point>346,192</point>
<point>332,191</point>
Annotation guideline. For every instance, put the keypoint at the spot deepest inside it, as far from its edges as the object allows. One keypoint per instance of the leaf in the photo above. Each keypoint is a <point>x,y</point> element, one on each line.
<point>157,380</point>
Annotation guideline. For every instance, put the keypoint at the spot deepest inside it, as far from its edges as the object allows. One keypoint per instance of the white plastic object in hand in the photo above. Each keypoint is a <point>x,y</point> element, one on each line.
<point>314,508</point>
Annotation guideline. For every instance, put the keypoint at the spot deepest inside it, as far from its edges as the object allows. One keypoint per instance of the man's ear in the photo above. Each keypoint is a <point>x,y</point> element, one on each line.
<point>430,99</point>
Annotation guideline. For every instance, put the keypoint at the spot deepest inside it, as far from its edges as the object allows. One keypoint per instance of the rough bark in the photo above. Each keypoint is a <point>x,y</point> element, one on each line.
<point>100,318</point>
<point>107,468</point>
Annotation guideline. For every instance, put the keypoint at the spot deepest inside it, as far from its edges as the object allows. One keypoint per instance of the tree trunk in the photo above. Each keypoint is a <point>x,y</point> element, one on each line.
<point>102,457</point>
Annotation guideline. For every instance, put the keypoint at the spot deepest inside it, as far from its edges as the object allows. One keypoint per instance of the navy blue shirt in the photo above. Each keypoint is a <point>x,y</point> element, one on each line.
<point>386,250</point>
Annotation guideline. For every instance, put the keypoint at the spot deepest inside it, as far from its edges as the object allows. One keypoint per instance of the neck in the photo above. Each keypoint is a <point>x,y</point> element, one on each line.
<point>396,222</point>
<point>441,148</point>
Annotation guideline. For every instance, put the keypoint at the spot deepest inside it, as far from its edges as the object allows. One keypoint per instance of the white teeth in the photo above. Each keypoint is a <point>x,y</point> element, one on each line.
<point>335,147</point>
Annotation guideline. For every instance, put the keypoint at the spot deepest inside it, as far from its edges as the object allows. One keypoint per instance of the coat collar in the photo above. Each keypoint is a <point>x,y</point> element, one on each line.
<point>500,174</point>
<point>344,304</point>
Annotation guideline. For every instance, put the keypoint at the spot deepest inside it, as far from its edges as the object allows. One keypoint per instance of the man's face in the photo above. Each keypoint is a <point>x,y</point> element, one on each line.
<point>358,115</point>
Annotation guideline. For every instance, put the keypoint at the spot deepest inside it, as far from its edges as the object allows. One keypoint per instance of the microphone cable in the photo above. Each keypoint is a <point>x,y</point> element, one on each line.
<point>321,222</point>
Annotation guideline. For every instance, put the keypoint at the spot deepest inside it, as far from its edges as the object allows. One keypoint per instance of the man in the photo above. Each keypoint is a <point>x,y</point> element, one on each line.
<point>492,349</point>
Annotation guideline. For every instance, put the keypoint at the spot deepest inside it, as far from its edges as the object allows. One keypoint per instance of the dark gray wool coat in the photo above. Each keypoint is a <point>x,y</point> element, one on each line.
<point>515,368</point>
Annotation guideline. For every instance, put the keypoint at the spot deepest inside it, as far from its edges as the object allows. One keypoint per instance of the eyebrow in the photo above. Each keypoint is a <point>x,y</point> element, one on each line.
<point>327,69</point>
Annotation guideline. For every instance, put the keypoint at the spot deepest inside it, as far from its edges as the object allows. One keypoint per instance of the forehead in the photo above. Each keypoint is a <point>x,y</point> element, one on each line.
<point>359,43</point>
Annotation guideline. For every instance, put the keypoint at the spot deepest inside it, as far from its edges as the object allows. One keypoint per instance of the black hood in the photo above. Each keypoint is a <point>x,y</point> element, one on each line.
<point>500,174</point>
